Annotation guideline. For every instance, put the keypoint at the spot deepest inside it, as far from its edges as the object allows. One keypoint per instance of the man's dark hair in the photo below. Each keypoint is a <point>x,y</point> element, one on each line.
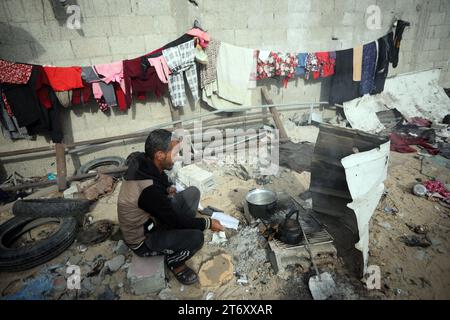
<point>157,140</point>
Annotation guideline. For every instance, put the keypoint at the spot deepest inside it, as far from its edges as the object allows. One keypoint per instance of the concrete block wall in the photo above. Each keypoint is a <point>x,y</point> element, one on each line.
<point>35,31</point>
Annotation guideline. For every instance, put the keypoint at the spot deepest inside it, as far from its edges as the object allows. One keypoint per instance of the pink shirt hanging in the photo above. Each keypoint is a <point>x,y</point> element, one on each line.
<point>201,35</point>
<point>161,67</point>
<point>111,72</point>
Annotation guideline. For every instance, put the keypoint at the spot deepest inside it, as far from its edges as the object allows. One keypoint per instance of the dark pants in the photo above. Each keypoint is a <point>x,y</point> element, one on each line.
<point>177,245</point>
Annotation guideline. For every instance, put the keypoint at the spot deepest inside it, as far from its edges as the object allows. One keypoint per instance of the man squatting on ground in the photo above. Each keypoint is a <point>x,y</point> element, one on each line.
<point>154,219</point>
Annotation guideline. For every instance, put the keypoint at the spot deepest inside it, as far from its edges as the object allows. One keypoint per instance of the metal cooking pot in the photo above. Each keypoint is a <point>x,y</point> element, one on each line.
<point>291,230</point>
<point>261,203</point>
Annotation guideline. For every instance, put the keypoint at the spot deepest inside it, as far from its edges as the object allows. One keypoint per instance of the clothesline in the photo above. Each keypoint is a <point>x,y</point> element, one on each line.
<point>29,104</point>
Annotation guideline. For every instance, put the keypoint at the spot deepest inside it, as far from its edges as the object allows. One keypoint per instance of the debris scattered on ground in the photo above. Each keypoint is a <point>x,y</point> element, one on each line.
<point>415,241</point>
<point>115,263</point>
<point>218,238</point>
<point>96,232</point>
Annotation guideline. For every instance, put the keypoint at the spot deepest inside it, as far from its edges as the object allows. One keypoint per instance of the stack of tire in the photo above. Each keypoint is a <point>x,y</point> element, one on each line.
<point>30,214</point>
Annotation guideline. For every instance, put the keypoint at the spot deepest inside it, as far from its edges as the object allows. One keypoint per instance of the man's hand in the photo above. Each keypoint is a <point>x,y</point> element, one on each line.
<point>171,190</point>
<point>216,225</point>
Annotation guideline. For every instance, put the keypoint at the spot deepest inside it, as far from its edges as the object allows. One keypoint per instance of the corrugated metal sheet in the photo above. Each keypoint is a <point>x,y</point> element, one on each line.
<point>329,188</point>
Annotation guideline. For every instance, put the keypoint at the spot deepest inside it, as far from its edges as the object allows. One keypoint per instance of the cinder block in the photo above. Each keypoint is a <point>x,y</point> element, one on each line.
<point>386,5</point>
<point>33,10</point>
<point>166,24</point>
<point>227,35</point>
<point>126,45</point>
<point>192,175</point>
<point>90,47</point>
<point>431,44</point>
<point>275,7</point>
<point>322,6</point>
<point>155,41</point>
<point>16,11</point>
<point>153,7</point>
<point>246,37</point>
<point>442,32</point>
<point>136,25</point>
<point>437,18</point>
<point>147,275</point>
<point>99,27</point>
<point>53,50</point>
<point>299,5</point>
<point>344,5</point>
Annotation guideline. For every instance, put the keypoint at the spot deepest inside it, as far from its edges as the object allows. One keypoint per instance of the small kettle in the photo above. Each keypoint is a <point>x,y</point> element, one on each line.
<point>291,230</point>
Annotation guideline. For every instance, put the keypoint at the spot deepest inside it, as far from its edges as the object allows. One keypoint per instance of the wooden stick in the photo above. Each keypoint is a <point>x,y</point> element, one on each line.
<point>275,115</point>
<point>60,151</point>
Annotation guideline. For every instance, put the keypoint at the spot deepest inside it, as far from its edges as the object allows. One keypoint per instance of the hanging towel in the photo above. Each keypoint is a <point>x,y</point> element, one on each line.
<point>357,63</point>
<point>234,66</point>
<point>181,61</point>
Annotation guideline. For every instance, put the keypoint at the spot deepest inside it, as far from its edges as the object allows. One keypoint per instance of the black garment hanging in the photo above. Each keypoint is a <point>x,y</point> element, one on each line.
<point>28,110</point>
<point>401,25</point>
<point>385,49</point>
<point>343,88</point>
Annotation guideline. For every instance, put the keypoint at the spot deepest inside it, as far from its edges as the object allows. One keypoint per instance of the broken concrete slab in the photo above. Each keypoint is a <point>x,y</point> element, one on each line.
<point>217,271</point>
<point>146,275</point>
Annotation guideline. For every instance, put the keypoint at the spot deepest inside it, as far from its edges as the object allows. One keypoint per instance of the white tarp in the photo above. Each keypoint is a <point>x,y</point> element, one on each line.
<point>361,114</point>
<point>413,95</point>
<point>419,94</point>
<point>365,173</point>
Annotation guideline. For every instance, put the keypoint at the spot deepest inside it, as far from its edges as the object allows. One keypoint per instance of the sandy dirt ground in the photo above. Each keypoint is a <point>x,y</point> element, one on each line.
<point>406,272</point>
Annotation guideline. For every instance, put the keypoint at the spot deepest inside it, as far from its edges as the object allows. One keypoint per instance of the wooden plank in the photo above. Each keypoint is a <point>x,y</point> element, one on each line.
<point>275,115</point>
<point>61,168</point>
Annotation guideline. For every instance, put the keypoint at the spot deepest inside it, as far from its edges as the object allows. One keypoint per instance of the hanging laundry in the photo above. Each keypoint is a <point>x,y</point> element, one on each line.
<point>104,93</point>
<point>357,63</point>
<point>110,73</point>
<point>327,61</point>
<point>253,81</point>
<point>208,72</point>
<point>343,88</point>
<point>312,66</point>
<point>234,66</point>
<point>14,73</point>
<point>278,64</point>
<point>201,35</point>
<point>180,60</point>
<point>10,128</point>
<point>200,55</point>
<point>64,78</point>
<point>301,66</point>
<point>140,80</point>
<point>83,95</point>
<point>385,49</point>
<point>231,89</point>
<point>401,25</point>
<point>35,105</point>
<point>368,68</point>
<point>161,67</point>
